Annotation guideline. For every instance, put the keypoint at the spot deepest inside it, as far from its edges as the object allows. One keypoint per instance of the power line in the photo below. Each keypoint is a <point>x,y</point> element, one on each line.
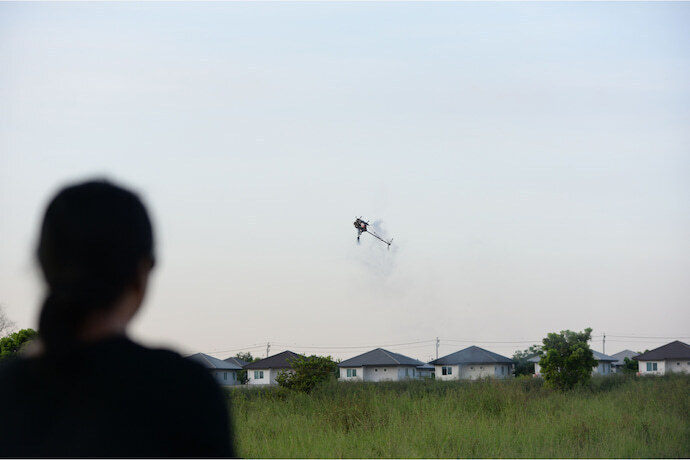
<point>315,347</point>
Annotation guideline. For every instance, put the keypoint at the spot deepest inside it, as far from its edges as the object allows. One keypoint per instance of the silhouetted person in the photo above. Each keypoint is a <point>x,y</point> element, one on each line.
<point>89,391</point>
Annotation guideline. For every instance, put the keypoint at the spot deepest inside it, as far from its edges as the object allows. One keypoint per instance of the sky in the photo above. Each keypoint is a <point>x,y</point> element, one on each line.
<point>530,160</point>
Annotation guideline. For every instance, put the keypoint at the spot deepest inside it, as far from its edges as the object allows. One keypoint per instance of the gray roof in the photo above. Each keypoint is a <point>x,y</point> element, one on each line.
<point>210,362</point>
<point>380,357</point>
<point>602,357</point>
<point>673,350</point>
<point>426,366</point>
<point>279,361</point>
<point>534,359</point>
<point>472,355</point>
<point>237,361</point>
<point>621,355</point>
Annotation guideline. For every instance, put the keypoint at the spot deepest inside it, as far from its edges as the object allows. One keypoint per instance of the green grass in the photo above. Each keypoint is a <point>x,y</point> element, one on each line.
<point>612,417</point>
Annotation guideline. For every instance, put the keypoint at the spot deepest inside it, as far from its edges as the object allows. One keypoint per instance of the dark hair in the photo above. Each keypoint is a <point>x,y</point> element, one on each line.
<point>94,237</point>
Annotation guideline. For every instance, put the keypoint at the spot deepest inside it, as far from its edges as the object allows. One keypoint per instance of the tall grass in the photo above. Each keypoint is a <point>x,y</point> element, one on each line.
<point>617,416</point>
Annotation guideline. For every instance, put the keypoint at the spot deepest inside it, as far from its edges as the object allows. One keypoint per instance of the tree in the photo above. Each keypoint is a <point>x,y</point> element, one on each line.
<point>6,325</point>
<point>242,375</point>
<point>566,359</point>
<point>245,356</point>
<point>14,342</point>
<point>308,371</point>
<point>630,366</point>
<point>523,366</point>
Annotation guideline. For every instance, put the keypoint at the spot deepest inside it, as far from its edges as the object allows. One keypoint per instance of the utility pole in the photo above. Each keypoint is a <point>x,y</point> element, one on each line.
<point>437,344</point>
<point>604,345</point>
<point>268,348</point>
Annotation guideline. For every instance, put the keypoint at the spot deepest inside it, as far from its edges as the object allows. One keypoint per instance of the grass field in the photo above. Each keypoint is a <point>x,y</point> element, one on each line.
<point>617,416</point>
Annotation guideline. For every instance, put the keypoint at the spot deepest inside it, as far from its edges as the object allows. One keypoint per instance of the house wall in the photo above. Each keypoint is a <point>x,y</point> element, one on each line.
<point>475,371</point>
<point>380,373</point>
<point>660,370</point>
<point>225,377</point>
<point>454,372</point>
<point>252,381</point>
<point>269,376</point>
<point>602,368</point>
<point>424,373</point>
<point>357,378</point>
<point>677,365</point>
<point>408,373</point>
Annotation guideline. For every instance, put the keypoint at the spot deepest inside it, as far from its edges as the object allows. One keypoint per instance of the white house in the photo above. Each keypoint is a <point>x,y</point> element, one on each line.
<point>603,367</point>
<point>380,365</point>
<point>672,357</point>
<point>225,373</point>
<point>620,359</point>
<point>265,371</point>
<point>473,363</point>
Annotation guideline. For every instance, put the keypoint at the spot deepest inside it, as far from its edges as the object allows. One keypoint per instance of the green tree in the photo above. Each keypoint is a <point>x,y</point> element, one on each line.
<point>14,342</point>
<point>566,359</point>
<point>247,357</point>
<point>630,366</point>
<point>308,371</point>
<point>522,365</point>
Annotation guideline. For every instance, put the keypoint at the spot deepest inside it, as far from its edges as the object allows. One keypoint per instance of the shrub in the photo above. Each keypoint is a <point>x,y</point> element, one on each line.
<point>308,372</point>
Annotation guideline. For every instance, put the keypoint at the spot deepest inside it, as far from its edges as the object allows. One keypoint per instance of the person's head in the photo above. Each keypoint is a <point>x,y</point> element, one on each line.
<point>95,248</point>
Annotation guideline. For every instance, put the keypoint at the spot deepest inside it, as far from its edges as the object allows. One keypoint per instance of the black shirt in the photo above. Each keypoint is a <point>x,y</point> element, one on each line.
<point>113,398</point>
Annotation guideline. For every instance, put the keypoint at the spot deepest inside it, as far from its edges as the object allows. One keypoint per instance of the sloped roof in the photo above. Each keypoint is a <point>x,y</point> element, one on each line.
<point>210,362</point>
<point>472,355</point>
<point>237,361</point>
<point>602,357</point>
<point>279,361</point>
<point>673,350</point>
<point>621,355</point>
<point>380,357</point>
<point>426,366</point>
<point>534,359</point>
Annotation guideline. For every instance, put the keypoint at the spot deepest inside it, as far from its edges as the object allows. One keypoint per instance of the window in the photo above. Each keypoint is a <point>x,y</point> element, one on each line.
<point>258,375</point>
<point>407,372</point>
<point>413,371</point>
<point>503,370</point>
<point>385,370</point>
<point>225,375</point>
<point>376,370</point>
<point>450,370</point>
<point>651,367</point>
<point>446,370</point>
<point>352,372</point>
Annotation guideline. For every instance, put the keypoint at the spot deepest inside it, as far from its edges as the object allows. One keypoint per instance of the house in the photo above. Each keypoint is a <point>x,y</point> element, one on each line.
<point>225,373</point>
<point>604,363</point>
<point>473,363</point>
<point>672,357</point>
<point>620,359</point>
<point>603,366</point>
<point>265,371</point>
<point>238,361</point>
<point>379,365</point>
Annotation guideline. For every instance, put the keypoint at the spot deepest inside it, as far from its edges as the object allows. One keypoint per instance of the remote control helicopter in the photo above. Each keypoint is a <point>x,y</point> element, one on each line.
<point>362,226</point>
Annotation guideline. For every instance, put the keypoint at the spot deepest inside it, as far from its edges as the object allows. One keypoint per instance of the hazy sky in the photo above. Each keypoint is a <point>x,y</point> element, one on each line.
<point>530,160</point>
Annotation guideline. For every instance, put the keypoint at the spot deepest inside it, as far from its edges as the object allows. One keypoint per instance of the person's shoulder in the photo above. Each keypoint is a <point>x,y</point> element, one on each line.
<point>165,358</point>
